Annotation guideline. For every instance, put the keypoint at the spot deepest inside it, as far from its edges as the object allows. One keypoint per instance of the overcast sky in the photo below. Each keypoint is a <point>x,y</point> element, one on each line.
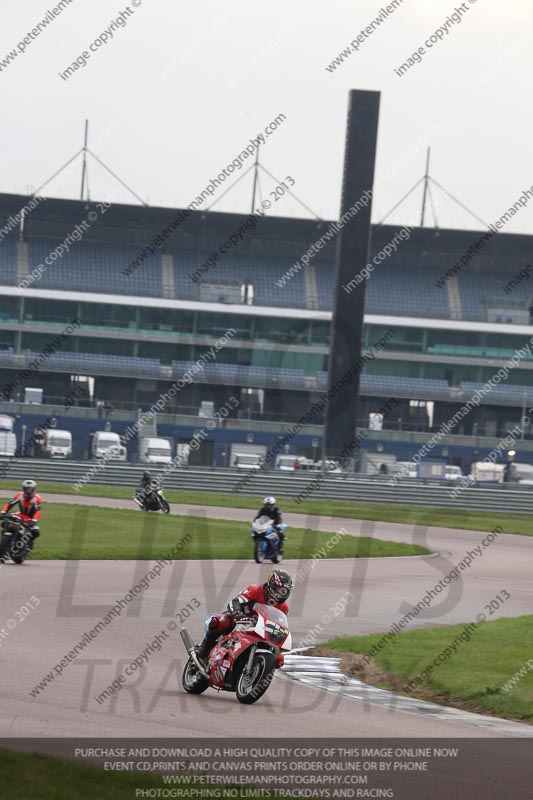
<point>179,91</point>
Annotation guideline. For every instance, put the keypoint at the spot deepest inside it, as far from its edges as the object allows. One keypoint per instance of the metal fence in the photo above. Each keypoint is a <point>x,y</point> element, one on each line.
<point>285,486</point>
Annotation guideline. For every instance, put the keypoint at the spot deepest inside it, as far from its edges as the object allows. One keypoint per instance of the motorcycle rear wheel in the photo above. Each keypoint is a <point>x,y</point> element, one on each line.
<point>250,689</point>
<point>259,553</point>
<point>191,680</point>
<point>5,544</point>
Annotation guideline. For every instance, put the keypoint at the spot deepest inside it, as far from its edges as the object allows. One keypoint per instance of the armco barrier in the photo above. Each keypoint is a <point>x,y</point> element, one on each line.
<point>356,488</point>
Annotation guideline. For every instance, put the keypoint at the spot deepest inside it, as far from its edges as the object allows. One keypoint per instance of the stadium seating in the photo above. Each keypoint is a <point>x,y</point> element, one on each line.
<point>479,294</point>
<point>391,290</point>
<point>499,393</point>
<point>100,364</point>
<point>410,291</point>
<point>8,261</point>
<point>261,271</point>
<point>393,385</point>
<point>91,267</point>
<point>246,375</point>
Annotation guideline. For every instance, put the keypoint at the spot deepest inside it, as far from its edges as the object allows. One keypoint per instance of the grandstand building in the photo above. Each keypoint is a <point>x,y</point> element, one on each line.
<point>149,292</point>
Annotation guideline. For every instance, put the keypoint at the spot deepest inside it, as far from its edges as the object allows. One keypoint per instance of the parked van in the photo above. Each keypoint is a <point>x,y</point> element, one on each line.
<point>57,444</point>
<point>452,473</point>
<point>406,469</point>
<point>107,444</point>
<point>487,471</point>
<point>8,440</point>
<point>287,463</point>
<point>6,423</point>
<point>248,461</point>
<point>155,451</point>
<point>318,466</point>
<point>522,473</point>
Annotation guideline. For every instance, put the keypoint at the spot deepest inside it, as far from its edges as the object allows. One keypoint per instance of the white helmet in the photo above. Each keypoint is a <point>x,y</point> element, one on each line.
<point>28,488</point>
<point>269,501</point>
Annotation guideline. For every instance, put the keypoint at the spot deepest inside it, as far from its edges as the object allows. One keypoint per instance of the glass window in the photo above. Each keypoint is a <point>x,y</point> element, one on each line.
<point>280,329</point>
<point>7,339</point>
<point>9,309</point>
<point>217,325</point>
<point>55,311</point>
<point>320,331</point>
<point>105,315</point>
<point>229,355</point>
<point>111,347</point>
<point>165,351</point>
<point>38,341</point>
<point>166,320</point>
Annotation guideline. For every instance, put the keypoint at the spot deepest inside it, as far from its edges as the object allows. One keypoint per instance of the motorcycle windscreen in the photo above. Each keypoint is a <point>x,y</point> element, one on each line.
<point>272,625</point>
<point>262,525</point>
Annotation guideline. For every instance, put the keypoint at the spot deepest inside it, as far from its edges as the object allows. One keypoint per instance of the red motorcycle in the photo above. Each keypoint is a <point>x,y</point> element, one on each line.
<point>16,541</point>
<point>244,660</point>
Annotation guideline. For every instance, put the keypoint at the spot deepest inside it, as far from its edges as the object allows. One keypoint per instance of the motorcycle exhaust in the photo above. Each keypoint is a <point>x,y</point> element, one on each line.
<point>138,502</point>
<point>187,639</point>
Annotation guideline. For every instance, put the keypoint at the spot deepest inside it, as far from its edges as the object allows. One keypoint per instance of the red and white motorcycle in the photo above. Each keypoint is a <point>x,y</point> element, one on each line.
<point>244,660</point>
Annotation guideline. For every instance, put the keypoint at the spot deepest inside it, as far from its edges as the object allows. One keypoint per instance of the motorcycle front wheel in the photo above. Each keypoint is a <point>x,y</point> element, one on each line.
<point>192,681</point>
<point>250,688</point>
<point>259,553</point>
<point>165,508</point>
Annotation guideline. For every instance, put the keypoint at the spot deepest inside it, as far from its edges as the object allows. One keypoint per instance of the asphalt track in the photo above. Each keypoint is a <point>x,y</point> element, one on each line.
<point>73,597</point>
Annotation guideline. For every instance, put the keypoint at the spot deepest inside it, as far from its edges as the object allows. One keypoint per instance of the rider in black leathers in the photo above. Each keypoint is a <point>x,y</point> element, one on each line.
<point>271,510</point>
<point>147,485</point>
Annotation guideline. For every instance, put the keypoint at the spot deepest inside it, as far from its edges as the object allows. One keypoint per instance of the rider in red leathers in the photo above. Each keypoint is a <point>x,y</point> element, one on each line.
<point>274,592</point>
<point>29,503</point>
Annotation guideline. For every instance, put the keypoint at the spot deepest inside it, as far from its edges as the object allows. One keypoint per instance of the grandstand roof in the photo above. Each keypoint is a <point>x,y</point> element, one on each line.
<point>137,225</point>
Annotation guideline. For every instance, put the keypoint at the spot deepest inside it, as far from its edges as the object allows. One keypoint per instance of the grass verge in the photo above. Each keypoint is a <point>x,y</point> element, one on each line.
<point>488,673</point>
<point>89,532</point>
<point>38,777</point>
<point>411,515</point>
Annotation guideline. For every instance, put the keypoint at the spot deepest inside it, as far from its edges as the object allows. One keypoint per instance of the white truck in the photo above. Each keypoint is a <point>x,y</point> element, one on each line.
<point>106,444</point>
<point>287,463</point>
<point>33,395</point>
<point>332,468</point>
<point>57,444</point>
<point>486,471</point>
<point>155,451</point>
<point>253,461</point>
<point>452,473</point>
<point>8,440</point>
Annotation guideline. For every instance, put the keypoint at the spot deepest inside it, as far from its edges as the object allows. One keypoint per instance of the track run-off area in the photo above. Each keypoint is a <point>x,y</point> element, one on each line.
<point>70,597</point>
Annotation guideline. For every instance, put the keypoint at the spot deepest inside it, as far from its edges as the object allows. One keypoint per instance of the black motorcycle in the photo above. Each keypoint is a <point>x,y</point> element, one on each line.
<point>16,541</point>
<point>152,500</point>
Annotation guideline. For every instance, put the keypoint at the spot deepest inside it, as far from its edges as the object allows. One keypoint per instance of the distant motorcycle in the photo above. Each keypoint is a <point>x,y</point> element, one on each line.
<point>16,541</point>
<point>266,541</point>
<point>154,500</point>
<point>244,660</point>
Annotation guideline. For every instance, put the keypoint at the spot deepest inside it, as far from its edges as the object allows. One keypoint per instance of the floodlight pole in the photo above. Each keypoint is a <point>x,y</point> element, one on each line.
<point>426,181</point>
<point>84,164</point>
<point>256,172</point>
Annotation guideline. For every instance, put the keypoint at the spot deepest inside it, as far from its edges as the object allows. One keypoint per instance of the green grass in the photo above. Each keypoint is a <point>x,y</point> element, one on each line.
<point>89,532</point>
<point>37,777</point>
<point>472,678</point>
<point>380,512</point>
